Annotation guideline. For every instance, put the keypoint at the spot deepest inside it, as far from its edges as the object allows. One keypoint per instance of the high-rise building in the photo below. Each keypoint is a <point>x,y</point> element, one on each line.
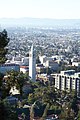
<point>32,64</point>
<point>68,80</point>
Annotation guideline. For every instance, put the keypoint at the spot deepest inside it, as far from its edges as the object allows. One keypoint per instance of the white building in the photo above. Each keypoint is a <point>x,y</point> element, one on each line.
<point>68,80</point>
<point>19,61</point>
<point>77,64</point>
<point>24,69</point>
<point>32,64</point>
<point>51,64</point>
<point>42,59</point>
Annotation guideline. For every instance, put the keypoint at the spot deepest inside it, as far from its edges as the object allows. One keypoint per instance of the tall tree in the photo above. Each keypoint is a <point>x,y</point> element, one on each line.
<point>4,40</point>
<point>20,82</point>
<point>6,112</point>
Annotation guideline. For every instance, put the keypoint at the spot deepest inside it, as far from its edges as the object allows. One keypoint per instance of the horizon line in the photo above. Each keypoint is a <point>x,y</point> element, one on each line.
<point>40,18</point>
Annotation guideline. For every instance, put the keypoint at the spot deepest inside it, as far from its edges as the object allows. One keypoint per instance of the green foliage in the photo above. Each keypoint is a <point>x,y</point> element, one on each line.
<point>79,115</point>
<point>23,116</point>
<point>6,112</point>
<point>60,102</point>
<point>45,94</point>
<point>5,90</point>
<point>48,71</point>
<point>37,60</point>
<point>12,77</point>
<point>74,105</point>
<point>1,78</point>
<point>45,112</point>
<point>20,82</point>
<point>17,79</point>
<point>42,95</point>
<point>31,98</point>
<point>4,40</point>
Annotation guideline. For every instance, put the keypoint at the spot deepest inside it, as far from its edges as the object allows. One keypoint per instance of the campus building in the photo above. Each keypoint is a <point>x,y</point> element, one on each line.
<point>8,67</point>
<point>68,80</point>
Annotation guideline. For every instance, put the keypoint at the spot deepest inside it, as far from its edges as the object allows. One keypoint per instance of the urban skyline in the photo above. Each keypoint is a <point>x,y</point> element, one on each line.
<point>39,60</point>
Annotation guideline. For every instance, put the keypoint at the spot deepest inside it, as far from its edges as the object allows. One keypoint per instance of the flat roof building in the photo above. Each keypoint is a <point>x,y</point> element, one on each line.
<point>68,80</point>
<point>8,67</point>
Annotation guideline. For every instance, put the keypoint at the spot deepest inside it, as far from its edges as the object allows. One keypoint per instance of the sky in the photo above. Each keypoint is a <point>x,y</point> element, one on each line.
<point>55,9</point>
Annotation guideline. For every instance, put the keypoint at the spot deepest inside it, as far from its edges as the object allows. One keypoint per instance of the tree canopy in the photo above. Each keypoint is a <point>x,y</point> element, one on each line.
<point>4,40</point>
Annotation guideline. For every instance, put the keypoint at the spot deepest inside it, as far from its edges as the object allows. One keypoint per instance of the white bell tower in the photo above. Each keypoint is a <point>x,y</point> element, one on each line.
<point>32,64</point>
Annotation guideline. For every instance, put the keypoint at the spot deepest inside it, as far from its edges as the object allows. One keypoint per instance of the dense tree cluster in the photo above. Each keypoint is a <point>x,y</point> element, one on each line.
<point>53,101</point>
<point>4,40</point>
<point>6,112</point>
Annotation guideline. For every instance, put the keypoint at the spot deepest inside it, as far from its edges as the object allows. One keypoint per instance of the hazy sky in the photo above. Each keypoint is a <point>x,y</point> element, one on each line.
<point>58,9</point>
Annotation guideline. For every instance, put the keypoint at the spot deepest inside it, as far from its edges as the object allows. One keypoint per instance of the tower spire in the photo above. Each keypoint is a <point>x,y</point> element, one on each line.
<point>32,63</point>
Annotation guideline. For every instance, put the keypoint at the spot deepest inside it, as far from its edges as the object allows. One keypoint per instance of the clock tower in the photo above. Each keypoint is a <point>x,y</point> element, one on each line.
<point>32,64</point>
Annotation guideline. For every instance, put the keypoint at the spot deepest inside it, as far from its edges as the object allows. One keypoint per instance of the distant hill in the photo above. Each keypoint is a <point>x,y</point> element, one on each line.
<point>40,22</point>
